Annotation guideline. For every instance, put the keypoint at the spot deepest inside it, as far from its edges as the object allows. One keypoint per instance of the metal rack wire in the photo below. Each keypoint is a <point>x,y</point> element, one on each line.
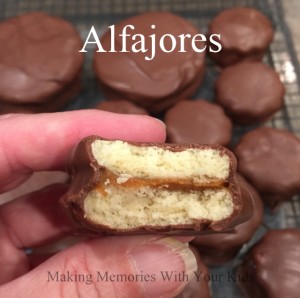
<point>101,13</point>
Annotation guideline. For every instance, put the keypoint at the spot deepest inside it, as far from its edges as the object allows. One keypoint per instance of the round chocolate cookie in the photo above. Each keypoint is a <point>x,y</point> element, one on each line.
<point>245,35</point>
<point>120,107</point>
<point>55,104</point>
<point>219,248</point>
<point>153,84</point>
<point>270,159</point>
<point>250,92</point>
<point>271,269</point>
<point>198,121</point>
<point>39,63</point>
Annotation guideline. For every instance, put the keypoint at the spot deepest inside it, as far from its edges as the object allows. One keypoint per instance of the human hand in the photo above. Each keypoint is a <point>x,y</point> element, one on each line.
<point>30,143</point>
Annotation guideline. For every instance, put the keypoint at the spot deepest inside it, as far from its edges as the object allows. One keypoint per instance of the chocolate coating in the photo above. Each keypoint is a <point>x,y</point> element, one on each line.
<point>250,92</point>
<point>86,174</point>
<point>272,266</point>
<point>245,35</point>
<point>57,102</point>
<point>270,159</point>
<point>39,58</point>
<point>198,121</point>
<point>120,107</point>
<point>198,287</point>
<point>153,84</point>
<point>222,247</point>
<point>161,105</point>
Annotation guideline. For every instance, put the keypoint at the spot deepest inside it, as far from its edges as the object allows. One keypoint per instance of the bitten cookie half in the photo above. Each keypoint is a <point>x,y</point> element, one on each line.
<point>123,187</point>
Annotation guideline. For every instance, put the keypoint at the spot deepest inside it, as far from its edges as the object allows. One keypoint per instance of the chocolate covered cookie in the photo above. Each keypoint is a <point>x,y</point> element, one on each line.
<point>120,107</point>
<point>55,104</point>
<point>250,92</point>
<point>198,121</point>
<point>245,35</point>
<point>40,63</point>
<point>157,83</point>
<point>271,269</point>
<point>270,159</point>
<point>222,247</point>
<point>134,188</point>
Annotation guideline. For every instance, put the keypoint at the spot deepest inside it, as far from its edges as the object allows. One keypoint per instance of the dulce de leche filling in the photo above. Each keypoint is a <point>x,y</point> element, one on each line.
<point>108,177</point>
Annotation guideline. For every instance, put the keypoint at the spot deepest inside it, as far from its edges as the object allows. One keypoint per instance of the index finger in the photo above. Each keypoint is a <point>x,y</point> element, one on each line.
<point>39,142</point>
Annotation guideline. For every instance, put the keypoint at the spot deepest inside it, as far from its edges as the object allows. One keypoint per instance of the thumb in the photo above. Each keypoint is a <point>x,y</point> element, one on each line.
<point>136,266</point>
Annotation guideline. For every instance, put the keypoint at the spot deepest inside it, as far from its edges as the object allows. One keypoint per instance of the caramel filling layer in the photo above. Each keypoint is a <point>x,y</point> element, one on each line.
<point>109,178</point>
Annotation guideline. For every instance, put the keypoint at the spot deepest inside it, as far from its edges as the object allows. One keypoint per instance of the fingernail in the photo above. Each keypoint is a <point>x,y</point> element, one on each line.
<point>163,123</point>
<point>166,264</point>
<point>158,120</point>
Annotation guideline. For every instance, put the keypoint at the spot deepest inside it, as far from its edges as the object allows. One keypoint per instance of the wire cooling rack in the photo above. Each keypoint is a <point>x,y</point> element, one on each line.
<point>281,55</point>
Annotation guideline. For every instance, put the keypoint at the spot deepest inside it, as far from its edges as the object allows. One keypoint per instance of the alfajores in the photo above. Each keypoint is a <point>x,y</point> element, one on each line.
<point>127,39</point>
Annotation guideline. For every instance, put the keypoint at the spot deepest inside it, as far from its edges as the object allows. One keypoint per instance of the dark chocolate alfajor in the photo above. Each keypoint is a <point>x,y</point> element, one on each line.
<point>271,269</point>
<point>40,63</point>
<point>269,159</point>
<point>122,187</point>
<point>250,92</point>
<point>198,121</point>
<point>158,83</point>
<point>245,35</point>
